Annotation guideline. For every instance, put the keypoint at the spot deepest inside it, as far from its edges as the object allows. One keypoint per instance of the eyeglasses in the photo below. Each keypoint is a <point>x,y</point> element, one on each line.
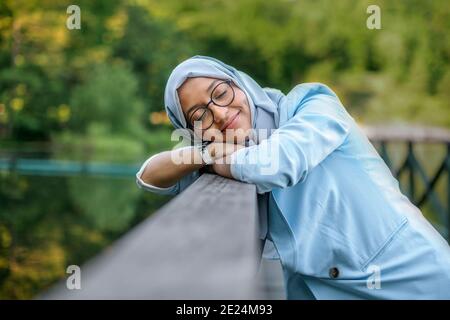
<point>222,96</point>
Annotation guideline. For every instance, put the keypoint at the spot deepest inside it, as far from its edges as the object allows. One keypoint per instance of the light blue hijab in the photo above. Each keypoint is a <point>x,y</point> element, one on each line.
<point>264,102</point>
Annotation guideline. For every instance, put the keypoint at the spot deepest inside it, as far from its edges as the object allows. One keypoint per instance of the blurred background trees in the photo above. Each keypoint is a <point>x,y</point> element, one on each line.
<point>97,94</point>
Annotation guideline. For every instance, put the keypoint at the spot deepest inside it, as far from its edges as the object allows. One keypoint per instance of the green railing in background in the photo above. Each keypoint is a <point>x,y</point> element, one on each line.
<point>414,169</point>
<point>65,168</point>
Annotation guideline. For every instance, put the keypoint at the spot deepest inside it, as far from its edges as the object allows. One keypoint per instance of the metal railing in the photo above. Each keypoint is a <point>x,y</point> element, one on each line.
<point>415,170</point>
<point>50,167</point>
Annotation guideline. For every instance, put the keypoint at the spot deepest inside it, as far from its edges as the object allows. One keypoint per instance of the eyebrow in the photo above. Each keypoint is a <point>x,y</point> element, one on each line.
<point>197,105</point>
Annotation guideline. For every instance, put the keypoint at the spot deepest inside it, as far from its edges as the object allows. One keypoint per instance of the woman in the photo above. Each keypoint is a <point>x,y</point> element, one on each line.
<point>338,220</point>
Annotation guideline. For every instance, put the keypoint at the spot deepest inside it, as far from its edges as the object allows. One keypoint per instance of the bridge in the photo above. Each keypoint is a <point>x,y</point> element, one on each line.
<point>187,251</point>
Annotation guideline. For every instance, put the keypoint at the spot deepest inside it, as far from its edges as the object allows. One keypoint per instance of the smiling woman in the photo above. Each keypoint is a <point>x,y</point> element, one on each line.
<point>329,203</point>
<point>221,106</point>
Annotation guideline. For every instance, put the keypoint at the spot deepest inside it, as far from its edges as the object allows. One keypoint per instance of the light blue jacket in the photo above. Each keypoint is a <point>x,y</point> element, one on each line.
<point>340,224</point>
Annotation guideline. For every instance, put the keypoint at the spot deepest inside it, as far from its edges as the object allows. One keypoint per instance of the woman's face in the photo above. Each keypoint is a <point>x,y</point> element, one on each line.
<point>231,123</point>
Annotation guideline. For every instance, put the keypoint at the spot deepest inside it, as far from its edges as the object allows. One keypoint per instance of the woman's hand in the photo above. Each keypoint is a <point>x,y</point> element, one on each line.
<point>222,155</point>
<point>219,150</point>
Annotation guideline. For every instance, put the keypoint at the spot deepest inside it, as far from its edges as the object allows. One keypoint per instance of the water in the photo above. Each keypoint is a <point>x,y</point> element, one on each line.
<point>49,223</point>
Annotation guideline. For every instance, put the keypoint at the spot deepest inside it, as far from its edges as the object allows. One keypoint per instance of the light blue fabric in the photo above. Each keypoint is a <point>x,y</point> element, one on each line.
<point>333,203</point>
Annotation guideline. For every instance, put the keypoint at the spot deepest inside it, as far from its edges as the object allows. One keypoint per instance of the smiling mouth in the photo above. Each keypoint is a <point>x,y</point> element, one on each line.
<point>227,124</point>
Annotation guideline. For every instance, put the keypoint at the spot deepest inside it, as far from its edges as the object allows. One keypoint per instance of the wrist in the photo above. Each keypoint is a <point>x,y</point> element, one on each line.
<point>203,152</point>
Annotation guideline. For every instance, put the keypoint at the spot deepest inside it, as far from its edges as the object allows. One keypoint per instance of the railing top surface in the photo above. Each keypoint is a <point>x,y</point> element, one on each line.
<point>201,245</point>
<point>407,133</point>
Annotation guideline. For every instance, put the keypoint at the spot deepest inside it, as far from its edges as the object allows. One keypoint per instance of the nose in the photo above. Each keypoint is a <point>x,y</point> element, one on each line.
<point>220,113</point>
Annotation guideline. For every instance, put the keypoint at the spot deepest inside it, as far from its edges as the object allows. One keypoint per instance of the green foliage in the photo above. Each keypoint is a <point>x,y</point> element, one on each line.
<point>152,48</point>
<point>107,97</point>
<point>375,72</point>
<point>90,94</point>
<point>98,144</point>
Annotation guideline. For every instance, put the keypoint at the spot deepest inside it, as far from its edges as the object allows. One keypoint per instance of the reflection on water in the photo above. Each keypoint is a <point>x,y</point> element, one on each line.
<point>49,223</point>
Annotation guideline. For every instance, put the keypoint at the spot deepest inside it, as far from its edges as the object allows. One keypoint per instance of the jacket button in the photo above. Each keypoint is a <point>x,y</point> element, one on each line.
<point>333,272</point>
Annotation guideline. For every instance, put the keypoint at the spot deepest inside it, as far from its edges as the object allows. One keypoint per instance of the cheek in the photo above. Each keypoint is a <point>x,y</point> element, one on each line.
<point>242,102</point>
<point>247,112</point>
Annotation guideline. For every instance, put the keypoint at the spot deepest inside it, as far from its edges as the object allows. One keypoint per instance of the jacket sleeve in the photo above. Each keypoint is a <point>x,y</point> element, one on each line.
<point>178,187</point>
<point>319,127</point>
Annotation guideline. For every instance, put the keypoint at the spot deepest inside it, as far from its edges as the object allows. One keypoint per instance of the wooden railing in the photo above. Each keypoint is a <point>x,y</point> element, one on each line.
<point>201,245</point>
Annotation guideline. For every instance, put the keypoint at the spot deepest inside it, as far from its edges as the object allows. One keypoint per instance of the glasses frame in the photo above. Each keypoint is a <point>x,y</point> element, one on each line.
<point>229,82</point>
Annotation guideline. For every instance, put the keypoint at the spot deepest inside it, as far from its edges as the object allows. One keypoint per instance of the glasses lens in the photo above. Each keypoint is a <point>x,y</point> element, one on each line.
<point>202,118</point>
<point>223,94</point>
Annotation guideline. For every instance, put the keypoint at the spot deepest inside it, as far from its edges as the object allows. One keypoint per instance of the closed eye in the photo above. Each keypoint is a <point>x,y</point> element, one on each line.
<point>221,95</point>
<point>198,114</point>
<point>191,111</point>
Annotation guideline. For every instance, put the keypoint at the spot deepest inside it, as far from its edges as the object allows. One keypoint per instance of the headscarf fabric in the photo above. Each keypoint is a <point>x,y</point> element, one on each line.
<point>263,102</point>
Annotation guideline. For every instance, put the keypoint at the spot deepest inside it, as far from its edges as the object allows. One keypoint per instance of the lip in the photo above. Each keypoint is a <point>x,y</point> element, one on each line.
<point>231,122</point>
